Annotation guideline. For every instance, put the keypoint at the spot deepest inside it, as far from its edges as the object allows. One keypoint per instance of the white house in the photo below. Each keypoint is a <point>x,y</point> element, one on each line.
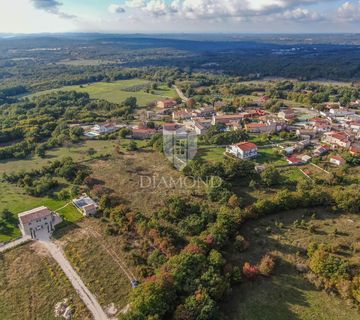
<point>341,112</point>
<point>243,150</point>
<point>104,128</point>
<point>37,221</point>
<point>337,160</point>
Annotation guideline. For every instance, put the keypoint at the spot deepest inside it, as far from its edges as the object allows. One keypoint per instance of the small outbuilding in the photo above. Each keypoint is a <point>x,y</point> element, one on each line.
<point>86,205</point>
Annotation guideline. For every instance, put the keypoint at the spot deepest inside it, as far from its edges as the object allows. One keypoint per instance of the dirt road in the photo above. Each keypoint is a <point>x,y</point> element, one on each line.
<point>84,293</point>
<point>14,243</point>
<point>181,94</point>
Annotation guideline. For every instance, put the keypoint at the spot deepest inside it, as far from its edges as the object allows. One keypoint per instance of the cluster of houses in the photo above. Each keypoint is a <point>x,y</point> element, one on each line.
<point>336,128</point>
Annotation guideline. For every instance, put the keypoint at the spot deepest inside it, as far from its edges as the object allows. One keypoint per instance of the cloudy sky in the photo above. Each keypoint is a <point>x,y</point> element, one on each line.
<point>124,16</point>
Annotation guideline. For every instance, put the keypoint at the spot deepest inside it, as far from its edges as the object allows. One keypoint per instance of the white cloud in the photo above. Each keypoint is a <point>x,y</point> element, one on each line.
<point>302,15</point>
<point>116,8</point>
<point>222,9</point>
<point>135,3</point>
<point>349,12</point>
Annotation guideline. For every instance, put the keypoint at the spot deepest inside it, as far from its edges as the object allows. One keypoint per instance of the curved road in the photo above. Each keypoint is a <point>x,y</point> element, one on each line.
<point>181,94</point>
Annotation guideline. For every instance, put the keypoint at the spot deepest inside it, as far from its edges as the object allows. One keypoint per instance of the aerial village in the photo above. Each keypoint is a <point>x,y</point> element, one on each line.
<point>314,133</point>
<point>296,135</point>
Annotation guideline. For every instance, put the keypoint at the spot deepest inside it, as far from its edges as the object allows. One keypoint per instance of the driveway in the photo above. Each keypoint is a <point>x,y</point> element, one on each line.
<point>84,293</point>
<point>14,243</point>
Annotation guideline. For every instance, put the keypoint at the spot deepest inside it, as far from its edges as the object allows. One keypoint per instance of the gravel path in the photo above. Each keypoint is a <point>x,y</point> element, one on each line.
<point>86,296</point>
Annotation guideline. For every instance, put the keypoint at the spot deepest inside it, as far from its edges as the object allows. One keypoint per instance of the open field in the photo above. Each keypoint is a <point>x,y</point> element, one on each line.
<point>118,91</point>
<point>287,294</point>
<point>96,267</point>
<point>142,179</point>
<point>85,62</point>
<point>210,153</point>
<point>76,151</point>
<point>270,155</point>
<point>31,283</point>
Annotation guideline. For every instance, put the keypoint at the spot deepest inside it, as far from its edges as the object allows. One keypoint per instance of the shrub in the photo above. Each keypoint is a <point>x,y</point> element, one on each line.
<point>356,288</point>
<point>266,265</point>
<point>327,265</point>
<point>240,243</point>
<point>236,276</point>
<point>250,271</point>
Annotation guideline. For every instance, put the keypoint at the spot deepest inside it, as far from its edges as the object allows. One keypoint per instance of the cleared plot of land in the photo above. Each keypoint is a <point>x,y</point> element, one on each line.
<point>97,268</point>
<point>31,283</point>
<point>86,62</point>
<point>142,179</point>
<point>118,91</point>
<point>287,294</point>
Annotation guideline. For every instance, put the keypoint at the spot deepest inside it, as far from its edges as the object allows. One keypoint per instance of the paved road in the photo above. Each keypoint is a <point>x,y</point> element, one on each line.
<point>14,243</point>
<point>86,296</point>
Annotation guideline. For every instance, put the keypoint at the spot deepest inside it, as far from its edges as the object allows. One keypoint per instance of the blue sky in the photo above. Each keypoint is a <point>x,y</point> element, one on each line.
<point>126,16</point>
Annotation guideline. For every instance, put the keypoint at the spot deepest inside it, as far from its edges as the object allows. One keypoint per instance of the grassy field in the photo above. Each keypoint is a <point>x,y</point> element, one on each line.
<point>31,283</point>
<point>142,179</point>
<point>118,91</point>
<point>270,155</point>
<point>287,294</point>
<point>211,154</point>
<point>97,268</point>
<point>77,151</point>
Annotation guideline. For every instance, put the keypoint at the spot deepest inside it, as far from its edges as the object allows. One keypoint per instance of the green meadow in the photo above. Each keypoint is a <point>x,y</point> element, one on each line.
<point>118,91</point>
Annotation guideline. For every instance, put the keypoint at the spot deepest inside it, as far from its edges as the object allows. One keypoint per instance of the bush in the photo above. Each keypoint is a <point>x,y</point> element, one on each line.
<point>328,265</point>
<point>236,275</point>
<point>266,265</point>
<point>240,243</point>
<point>250,271</point>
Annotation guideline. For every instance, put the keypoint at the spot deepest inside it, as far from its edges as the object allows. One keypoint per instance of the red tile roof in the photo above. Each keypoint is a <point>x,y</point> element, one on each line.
<point>34,214</point>
<point>246,146</point>
<point>294,159</point>
<point>256,125</point>
<point>338,158</point>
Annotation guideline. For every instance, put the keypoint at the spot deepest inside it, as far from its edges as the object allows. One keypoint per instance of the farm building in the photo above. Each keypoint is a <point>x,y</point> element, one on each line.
<point>38,221</point>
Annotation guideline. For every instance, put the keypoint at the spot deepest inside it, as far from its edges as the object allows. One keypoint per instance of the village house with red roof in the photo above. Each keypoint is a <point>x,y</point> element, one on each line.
<point>243,150</point>
<point>143,133</point>
<point>166,104</point>
<point>337,139</point>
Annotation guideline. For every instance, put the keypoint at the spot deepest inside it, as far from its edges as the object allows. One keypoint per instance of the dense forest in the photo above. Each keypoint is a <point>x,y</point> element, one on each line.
<point>37,60</point>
